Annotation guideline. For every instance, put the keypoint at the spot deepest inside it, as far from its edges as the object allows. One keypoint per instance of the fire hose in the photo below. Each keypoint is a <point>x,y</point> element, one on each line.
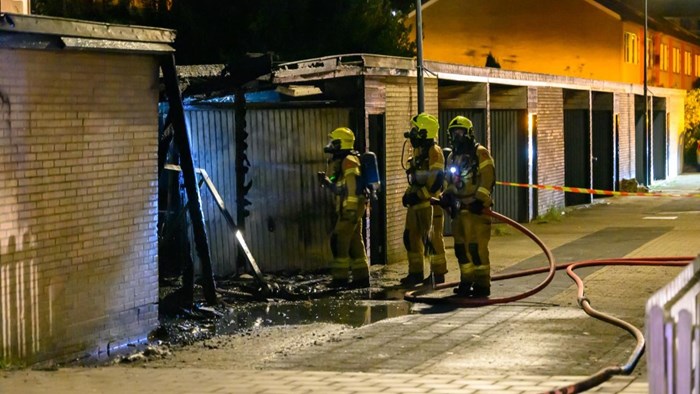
<point>420,295</point>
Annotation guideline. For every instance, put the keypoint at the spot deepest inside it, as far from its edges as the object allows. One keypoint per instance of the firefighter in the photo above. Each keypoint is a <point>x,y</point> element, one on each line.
<point>425,172</point>
<point>346,242</point>
<point>470,177</point>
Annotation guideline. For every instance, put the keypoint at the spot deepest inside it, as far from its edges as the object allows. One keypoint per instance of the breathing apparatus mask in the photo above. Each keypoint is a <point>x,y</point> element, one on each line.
<point>463,142</point>
<point>332,147</point>
<point>417,137</point>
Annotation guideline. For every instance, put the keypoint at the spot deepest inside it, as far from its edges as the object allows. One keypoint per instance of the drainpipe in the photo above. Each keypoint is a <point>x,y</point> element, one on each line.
<point>419,48</point>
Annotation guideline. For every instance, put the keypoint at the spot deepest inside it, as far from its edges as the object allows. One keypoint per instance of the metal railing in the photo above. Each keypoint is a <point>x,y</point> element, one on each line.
<point>673,335</point>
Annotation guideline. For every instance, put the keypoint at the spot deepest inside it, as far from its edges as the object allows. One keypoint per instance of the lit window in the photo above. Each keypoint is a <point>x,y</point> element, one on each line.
<point>631,52</point>
<point>697,65</point>
<point>687,63</point>
<point>663,57</point>
<point>676,60</point>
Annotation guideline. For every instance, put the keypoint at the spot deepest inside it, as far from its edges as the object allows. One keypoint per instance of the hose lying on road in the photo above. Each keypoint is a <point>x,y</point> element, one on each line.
<point>419,295</point>
<point>606,373</point>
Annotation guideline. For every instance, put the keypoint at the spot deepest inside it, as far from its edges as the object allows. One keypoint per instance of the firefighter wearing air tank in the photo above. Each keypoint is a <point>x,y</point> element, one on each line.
<point>425,172</point>
<point>344,181</point>
<point>470,178</point>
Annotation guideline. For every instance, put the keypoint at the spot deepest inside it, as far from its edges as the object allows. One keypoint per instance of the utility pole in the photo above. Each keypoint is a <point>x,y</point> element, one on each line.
<point>647,151</point>
<point>419,48</point>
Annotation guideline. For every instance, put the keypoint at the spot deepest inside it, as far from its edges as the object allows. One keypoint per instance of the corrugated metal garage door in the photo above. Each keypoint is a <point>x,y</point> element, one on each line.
<point>290,215</point>
<point>213,149</point>
<point>509,151</point>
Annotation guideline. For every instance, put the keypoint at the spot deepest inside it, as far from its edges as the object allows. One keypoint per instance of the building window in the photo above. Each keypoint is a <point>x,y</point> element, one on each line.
<point>650,53</point>
<point>631,51</point>
<point>676,60</point>
<point>663,57</point>
<point>687,63</point>
<point>697,65</point>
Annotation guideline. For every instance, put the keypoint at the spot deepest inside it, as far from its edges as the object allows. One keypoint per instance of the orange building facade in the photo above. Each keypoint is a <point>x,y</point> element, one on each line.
<point>576,38</point>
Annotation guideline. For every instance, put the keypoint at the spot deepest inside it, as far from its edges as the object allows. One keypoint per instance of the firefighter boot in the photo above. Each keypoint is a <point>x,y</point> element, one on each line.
<point>466,280</point>
<point>340,268</point>
<point>482,281</point>
<point>412,279</point>
<point>415,270</point>
<point>360,273</point>
<point>434,279</point>
<point>464,289</point>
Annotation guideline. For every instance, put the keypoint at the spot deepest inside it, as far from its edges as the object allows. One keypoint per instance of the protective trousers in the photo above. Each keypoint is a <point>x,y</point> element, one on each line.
<point>348,249</point>
<point>418,222</point>
<point>438,262</point>
<point>472,234</point>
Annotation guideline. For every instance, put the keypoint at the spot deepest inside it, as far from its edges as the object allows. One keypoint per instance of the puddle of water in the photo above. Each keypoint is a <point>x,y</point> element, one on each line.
<point>351,312</point>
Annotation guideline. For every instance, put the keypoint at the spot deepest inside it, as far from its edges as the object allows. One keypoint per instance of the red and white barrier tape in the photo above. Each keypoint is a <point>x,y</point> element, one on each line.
<point>596,191</point>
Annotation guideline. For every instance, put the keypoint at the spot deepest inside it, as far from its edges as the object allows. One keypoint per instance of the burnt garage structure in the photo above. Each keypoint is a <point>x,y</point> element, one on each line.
<point>541,129</point>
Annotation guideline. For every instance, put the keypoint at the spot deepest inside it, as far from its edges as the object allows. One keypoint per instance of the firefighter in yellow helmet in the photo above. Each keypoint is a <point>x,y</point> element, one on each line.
<point>470,179</point>
<point>347,246</point>
<point>425,172</point>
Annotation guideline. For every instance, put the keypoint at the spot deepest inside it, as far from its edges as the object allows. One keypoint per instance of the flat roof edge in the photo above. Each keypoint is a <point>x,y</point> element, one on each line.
<point>378,65</point>
<point>45,25</point>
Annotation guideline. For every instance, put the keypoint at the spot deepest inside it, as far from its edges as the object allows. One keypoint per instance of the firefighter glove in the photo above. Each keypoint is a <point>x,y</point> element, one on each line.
<point>410,199</point>
<point>450,203</point>
<point>476,207</point>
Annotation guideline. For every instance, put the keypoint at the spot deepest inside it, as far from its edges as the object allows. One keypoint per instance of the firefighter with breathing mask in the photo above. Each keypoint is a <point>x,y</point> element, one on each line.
<point>347,246</point>
<point>470,178</point>
<point>425,172</point>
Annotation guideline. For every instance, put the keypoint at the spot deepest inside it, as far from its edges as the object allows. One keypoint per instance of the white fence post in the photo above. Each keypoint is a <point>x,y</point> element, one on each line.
<point>673,335</point>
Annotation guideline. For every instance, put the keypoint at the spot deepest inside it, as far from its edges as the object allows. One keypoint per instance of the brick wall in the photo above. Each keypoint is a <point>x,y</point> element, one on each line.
<point>78,248</point>
<point>401,105</point>
<point>626,130</point>
<point>550,147</point>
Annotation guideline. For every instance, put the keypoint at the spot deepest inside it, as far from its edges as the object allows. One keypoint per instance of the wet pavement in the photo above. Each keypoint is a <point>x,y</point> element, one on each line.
<point>391,346</point>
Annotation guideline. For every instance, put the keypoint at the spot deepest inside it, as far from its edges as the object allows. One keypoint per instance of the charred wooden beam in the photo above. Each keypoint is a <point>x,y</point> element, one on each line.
<point>177,117</point>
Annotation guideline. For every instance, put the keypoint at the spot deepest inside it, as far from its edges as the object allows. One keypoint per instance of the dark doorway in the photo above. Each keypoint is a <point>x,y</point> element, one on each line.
<point>576,155</point>
<point>659,141</point>
<point>603,143</point>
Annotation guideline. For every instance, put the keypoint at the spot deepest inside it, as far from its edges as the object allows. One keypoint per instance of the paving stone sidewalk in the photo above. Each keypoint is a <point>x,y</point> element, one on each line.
<point>531,346</point>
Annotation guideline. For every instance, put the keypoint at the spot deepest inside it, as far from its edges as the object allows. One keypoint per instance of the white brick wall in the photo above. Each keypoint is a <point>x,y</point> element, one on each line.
<point>401,105</point>
<point>78,208</point>
<point>550,147</point>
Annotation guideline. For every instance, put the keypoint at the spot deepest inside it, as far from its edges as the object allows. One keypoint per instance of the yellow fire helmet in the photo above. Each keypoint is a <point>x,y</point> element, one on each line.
<point>426,122</point>
<point>462,122</point>
<point>342,138</point>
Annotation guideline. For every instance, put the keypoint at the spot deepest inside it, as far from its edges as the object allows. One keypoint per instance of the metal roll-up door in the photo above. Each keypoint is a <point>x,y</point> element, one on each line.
<point>509,151</point>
